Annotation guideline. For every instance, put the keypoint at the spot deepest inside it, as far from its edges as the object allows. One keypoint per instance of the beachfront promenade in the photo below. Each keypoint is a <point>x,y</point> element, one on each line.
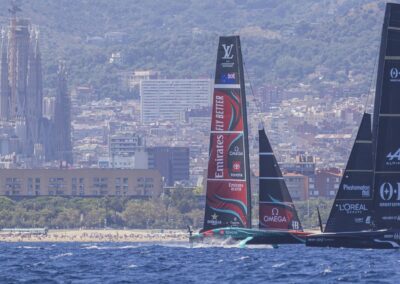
<point>97,236</point>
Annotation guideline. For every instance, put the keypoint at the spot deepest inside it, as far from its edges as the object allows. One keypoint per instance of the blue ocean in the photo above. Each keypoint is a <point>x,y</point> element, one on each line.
<point>178,263</point>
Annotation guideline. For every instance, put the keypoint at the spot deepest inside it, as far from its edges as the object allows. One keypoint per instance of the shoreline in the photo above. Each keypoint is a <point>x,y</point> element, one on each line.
<point>97,236</point>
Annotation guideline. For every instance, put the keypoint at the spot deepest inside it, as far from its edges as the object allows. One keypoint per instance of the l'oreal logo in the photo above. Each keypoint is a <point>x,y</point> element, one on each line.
<point>352,207</point>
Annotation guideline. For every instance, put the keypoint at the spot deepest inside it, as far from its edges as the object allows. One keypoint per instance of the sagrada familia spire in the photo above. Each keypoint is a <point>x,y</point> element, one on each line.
<point>21,92</point>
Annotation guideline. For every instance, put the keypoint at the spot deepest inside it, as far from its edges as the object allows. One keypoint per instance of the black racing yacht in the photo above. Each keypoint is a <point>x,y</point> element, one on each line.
<point>356,220</point>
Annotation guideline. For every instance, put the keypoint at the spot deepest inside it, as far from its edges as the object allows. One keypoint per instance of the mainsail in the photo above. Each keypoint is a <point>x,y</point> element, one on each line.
<point>228,199</point>
<point>351,210</point>
<point>276,210</point>
<point>386,125</point>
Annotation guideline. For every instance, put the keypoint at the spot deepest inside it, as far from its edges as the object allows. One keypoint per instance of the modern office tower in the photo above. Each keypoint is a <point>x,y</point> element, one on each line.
<point>172,162</point>
<point>167,100</point>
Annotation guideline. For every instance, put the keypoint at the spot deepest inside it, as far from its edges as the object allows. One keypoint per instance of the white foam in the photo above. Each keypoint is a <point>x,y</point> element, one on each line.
<point>61,255</point>
<point>132,266</point>
<point>277,265</point>
<point>27,247</point>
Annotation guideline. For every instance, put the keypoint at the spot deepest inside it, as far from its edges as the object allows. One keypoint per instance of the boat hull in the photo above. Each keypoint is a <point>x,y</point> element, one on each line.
<point>253,236</point>
<point>382,239</point>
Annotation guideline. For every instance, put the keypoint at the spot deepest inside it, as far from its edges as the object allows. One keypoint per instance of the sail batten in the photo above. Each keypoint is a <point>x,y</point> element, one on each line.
<point>228,202</point>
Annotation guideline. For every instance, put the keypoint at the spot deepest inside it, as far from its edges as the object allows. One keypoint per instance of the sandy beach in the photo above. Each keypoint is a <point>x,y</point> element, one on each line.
<point>98,236</point>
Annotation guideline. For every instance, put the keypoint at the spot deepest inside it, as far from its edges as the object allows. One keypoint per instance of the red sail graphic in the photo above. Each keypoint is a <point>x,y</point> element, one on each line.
<point>228,187</point>
<point>227,111</point>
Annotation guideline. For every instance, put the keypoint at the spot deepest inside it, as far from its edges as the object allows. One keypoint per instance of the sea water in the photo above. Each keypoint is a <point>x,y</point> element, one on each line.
<point>179,263</point>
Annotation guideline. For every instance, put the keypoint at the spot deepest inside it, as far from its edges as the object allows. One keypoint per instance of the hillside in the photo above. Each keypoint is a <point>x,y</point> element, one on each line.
<point>324,44</point>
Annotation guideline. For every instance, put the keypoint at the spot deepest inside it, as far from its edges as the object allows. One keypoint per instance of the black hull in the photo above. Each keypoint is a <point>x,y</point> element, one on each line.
<point>279,238</point>
<point>383,239</point>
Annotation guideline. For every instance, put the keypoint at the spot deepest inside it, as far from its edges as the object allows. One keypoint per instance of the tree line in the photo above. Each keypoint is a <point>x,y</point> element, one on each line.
<point>175,210</point>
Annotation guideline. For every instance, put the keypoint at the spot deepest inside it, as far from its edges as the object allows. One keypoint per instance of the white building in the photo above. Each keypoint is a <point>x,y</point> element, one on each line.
<point>126,151</point>
<point>166,99</point>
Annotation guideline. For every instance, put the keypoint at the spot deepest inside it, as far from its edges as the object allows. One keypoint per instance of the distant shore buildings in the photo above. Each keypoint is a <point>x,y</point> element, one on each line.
<point>80,182</point>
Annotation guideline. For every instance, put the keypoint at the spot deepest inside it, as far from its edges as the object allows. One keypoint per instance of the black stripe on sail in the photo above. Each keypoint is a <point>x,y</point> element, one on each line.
<point>352,208</point>
<point>276,208</point>
<point>386,126</point>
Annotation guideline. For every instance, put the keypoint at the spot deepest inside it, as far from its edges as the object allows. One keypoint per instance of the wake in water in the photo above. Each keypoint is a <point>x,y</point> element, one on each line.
<point>102,247</point>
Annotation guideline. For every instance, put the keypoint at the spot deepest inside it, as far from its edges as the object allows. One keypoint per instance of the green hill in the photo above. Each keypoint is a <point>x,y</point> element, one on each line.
<point>321,43</point>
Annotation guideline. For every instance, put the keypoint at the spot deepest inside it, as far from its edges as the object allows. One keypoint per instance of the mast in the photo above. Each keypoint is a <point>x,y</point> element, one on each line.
<point>277,210</point>
<point>386,125</point>
<point>351,210</point>
<point>228,197</point>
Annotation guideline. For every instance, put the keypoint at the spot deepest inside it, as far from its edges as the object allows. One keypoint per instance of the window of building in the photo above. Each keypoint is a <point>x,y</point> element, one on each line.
<point>57,186</point>
<point>13,186</point>
<point>100,186</point>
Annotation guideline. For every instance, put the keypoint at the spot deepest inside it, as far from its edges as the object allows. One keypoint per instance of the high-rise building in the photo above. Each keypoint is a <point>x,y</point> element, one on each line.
<point>172,162</point>
<point>169,99</point>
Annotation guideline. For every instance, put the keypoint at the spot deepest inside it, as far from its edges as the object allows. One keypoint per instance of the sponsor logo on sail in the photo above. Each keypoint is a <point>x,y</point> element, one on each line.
<point>275,217</point>
<point>394,75</point>
<point>236,166</point>
<point>390,194</point>
<point>236,152</point>
<point>219,110</point>
<point>236,186</point>
<point>227,51</point>
<point>214,220</point>
<point>358,220</point>
<point>352,208</point>
<point>219,159</point>
<point>386,191</point>
<point>228,78</point>
<point>393,159</point>
<point>235,222</point>
<point>228,56</point>
<point>365,189</point>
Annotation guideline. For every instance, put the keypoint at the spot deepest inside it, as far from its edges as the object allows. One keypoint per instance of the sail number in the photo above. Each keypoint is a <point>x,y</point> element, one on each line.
<point>387,192</point>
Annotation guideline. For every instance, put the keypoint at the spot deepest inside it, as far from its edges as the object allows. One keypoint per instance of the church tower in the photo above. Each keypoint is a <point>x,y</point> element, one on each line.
<point>62,118</point>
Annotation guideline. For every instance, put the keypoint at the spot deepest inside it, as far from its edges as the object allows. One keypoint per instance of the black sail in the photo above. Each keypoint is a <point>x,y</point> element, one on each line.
<point>228,199</point>
<point>386,125</point>
<point>277,210</point>
<point>352,208</point>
